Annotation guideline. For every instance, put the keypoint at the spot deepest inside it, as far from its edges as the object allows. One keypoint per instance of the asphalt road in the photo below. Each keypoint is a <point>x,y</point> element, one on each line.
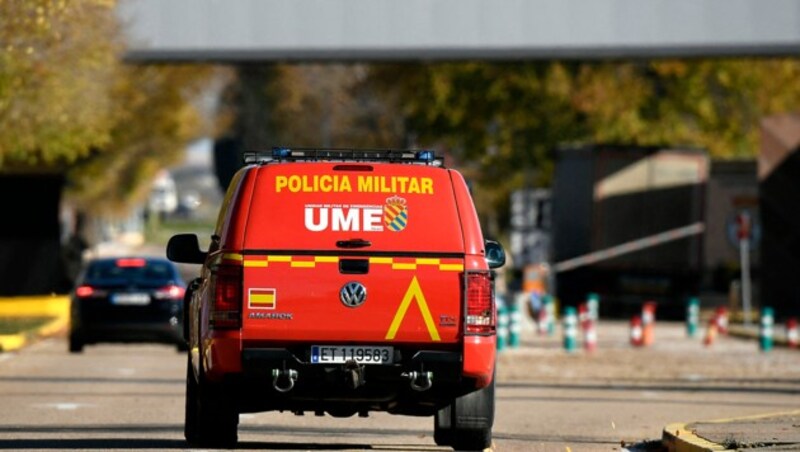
<point>131,397</point>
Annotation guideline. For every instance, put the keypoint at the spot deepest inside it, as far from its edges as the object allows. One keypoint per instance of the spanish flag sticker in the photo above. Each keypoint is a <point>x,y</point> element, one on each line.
<point>262,299</point>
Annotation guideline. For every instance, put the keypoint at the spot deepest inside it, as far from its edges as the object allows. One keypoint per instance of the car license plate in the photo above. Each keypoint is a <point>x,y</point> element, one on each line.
<point>136,299</point>
<point>340,354</point>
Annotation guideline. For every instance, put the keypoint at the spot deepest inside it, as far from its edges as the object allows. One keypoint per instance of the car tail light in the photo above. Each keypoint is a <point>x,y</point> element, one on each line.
<point>84,291</point>
<point>172,291</point>
<point>480,304</point>
<point>227,282</point>
<point>131,263</point>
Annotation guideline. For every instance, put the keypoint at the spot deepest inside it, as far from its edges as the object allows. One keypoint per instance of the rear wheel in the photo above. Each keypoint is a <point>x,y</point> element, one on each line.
<point>210,419</point>
<point>75,343</point>
<point>466,424</point>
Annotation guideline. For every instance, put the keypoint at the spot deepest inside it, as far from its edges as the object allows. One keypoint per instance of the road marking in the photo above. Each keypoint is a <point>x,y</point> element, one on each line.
<point>64,406</point>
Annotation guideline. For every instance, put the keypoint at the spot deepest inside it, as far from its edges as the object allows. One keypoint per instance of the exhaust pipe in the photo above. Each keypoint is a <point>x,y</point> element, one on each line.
<point>420,381</point>
<point>283,379</point>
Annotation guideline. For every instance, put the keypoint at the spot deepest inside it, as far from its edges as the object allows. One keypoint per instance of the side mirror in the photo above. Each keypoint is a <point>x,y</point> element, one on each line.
<point>185,248</point>
<point>495,254</point>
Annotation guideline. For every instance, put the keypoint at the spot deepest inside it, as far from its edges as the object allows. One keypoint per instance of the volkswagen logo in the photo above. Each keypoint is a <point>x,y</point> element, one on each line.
<point>353,294</point>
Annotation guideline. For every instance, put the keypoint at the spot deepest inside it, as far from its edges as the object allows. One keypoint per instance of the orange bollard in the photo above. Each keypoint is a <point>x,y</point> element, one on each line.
<point>636,331</point>
<point>711,332</point>
<point>721,318</point>
<point>792,336</point>
<point>648,322</point>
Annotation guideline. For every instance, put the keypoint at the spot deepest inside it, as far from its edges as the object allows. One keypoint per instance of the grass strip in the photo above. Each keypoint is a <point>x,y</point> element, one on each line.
<point>17,325</point>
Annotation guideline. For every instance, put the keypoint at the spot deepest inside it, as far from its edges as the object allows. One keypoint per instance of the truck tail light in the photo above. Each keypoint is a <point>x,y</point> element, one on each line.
<point>480,304</point>
<point>227,310</point>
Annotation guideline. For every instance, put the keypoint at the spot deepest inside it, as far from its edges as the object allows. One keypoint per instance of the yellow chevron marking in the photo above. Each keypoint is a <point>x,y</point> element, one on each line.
<point>428,261</point>
<point>256,263</point>
<point>304,264</point>
<point>451,267</point>
<point>404,266</point>
<point>414,292</point>
<point>380,260</point>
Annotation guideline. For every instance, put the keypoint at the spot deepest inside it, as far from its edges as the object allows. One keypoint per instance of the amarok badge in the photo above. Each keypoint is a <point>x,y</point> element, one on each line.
<point>395,213</point>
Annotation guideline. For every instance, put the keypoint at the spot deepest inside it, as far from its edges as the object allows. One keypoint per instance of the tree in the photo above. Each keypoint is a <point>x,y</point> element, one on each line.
<point>157,117</point>
<point>69,104</point>
<point>501,120</point>
<point>54,77</point>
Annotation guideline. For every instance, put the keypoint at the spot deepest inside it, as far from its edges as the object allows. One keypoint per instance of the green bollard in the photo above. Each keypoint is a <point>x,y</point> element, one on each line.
<point>765,332</point>
<point>550,309</point>
<point>570,329</point>
<point>692,316</point>
<point>514,325</point>
<point>502,327</point>
<point>593,303</point>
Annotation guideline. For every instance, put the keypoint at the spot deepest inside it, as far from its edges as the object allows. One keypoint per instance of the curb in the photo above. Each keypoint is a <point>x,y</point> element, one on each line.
<point>677,438</point>
<point>49,306</point>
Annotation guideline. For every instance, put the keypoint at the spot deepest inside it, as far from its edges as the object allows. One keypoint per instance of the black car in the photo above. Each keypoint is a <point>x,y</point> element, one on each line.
<point>130,299</point>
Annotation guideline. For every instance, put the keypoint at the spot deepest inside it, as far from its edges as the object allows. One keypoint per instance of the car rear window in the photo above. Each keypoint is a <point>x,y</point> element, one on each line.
<point>394,207</point>
<point>130,270</point>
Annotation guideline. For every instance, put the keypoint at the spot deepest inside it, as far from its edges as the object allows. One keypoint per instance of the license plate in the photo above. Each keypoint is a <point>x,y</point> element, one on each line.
<point>340,354</point>
<point>137,299</point>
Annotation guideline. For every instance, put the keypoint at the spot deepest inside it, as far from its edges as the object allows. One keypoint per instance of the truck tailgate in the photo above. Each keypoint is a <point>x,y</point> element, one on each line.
<point>298,298</point>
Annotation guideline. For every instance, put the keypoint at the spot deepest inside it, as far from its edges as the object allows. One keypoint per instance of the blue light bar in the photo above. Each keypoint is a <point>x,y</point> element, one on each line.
<point>285,154</point>
<point>281,153</point>
<point>425,156</point>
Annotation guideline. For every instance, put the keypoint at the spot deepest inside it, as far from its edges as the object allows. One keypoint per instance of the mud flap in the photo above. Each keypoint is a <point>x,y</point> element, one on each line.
<point>466,424</point>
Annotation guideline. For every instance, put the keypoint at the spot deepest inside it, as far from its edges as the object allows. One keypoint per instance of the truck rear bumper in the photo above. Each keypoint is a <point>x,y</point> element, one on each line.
<point>346,389</point>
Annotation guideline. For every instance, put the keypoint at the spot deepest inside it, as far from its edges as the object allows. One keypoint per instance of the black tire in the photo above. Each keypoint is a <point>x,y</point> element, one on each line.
<point>466,424</point>
<point>75,343</point>
<point>210,420</point>
<point>182,346</point>
<point>190,425</point>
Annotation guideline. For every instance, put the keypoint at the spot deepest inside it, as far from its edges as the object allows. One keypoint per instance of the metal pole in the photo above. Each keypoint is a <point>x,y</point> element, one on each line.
<point>744,255</point>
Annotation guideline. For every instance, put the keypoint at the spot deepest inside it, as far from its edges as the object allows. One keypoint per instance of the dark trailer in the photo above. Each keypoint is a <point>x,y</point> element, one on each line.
<point>623,198</point>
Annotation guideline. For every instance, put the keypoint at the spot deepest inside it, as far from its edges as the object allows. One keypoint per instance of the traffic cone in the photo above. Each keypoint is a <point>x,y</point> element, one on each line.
<point>589,335</point>
<point>583,313</point>
<point>648,322</point>
<point>792,334</point>
<point>766,331</point>
<point>692,316</point>
<point>636,331</point>
<point>711,332</point>
<point>570,329</point>
<point>541,321</point>
<point>722,319</point>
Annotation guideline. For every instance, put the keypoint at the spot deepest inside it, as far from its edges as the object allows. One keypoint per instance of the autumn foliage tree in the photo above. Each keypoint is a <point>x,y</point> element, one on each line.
<point>68,104</point>
<point>501,120</point>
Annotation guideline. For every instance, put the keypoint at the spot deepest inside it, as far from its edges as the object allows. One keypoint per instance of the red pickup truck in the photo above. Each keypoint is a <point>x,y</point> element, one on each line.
<point>342,282</point>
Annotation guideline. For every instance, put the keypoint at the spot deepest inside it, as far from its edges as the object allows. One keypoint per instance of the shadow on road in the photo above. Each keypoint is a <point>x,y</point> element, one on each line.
<point>128,443</point>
